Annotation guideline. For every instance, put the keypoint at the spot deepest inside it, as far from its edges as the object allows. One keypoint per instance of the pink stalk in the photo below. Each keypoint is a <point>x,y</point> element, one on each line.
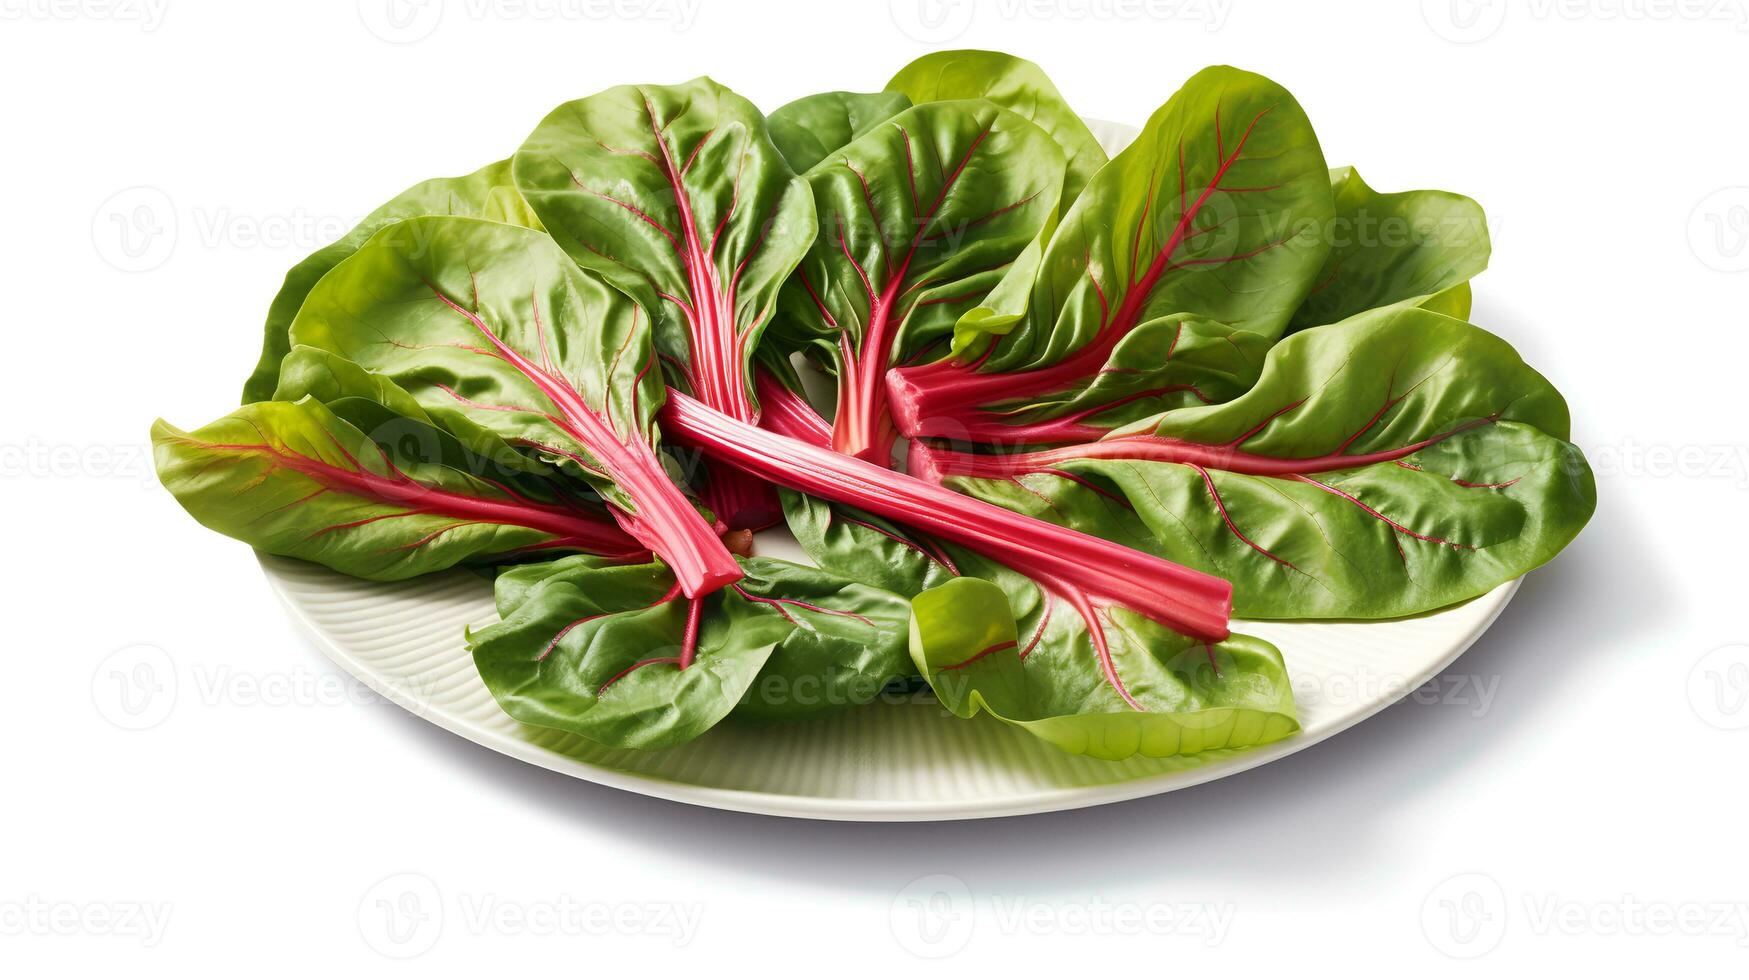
<point>1081,566</point>
<point>954,399</point>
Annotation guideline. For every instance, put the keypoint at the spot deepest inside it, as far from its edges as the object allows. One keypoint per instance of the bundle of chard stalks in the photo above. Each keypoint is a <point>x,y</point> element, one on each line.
<point>1209,376</point>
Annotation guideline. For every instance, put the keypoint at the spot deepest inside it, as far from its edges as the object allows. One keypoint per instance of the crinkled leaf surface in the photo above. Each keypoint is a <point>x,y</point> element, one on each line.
<point>676,195</point>
<point>293,478</point>
<point>1014,84</point>
<point>347,389</point>
<point>1394,248</point>
<point>494,324</point>
<point>617,655</point>
<point>1218,209</point>
<point>813,126</point>
<point>1393,463</point>
<point>485,193</point>
<point>1180,697</point>
<point>919,219</point>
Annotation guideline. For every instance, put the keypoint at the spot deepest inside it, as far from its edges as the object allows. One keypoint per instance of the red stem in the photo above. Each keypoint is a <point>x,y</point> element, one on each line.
<point>935,464</point>
<point>1179,598</point>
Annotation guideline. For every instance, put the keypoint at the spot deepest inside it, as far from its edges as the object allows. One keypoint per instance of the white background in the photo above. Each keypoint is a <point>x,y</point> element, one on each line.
<point>1594,802</point>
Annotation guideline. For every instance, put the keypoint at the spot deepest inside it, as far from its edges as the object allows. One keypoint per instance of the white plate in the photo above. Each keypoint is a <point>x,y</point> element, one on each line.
<point>889,761</point>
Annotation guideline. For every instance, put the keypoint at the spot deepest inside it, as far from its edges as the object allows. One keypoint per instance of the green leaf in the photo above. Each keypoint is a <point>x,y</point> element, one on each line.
<point>485,193</point>
<point>807,130</point>
<point>616,654</point>
<point>1014,84</point>
<point>1395,248</point>
<point>493,327</point>
<point>348,390</point>
<point>293,478</point>
<point>1394,463</point>
<point>919,219</point>
<point>1183,697</point>
<point>676,195</point>
<point>1217,210</point>
<point>865,548</point>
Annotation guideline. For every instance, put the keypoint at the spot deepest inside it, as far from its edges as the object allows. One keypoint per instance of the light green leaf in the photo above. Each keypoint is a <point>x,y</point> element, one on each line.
<point>1014,84</point>
<point>812,127</point>
<point>1180,697</point>
<point>1395,248</point>
<point>485,193</point>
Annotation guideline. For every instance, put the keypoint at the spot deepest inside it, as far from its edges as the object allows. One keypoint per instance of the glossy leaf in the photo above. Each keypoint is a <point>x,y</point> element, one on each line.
<point>1014,84</point>
<point>293,478</point>
<point>1391,464</point>
<point>1217,210</point>
<point>1183,698</point>
<point>810,128</point>
<point>918,221</point>
<point>485,193</point>
<point>1395,248</point>
<point>494,324</point>
<point>616,653</point>
<point>346,389</point>
<point>676,195</point>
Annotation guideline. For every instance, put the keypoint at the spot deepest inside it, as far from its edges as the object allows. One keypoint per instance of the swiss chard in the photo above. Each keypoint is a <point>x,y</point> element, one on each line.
<point>618,655</point>
<point>294,478</point>
<point>1392,248</point>
<point>1396,462</point>
<point>1094,659</point>
<point>1089,573</point>
<point>809,129</point>
<point>485,193</point>
<point>1180,696</point>
<point>919,218</point>
<point>676,195</point>
<point>1218,210</point>
<point>494,324</point>
<point>1014,84</point>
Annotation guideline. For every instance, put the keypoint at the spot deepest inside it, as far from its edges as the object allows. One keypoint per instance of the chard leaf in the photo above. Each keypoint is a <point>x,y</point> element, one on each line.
<point>807,130</point>
<point>676,195</point>
<point>1218,210</point>
<point>1390,464</point>
<point>1394,248</point>
<point>294,478</point>
<point>616,653</point>
<point>919,219</point>
<point>493,325</point>
<point>1092,676</point>
<point>865,548</point>
<point>1180,697</point>
<point>347,389</point>
<point>1014,84</point>
<point>485,193</point>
